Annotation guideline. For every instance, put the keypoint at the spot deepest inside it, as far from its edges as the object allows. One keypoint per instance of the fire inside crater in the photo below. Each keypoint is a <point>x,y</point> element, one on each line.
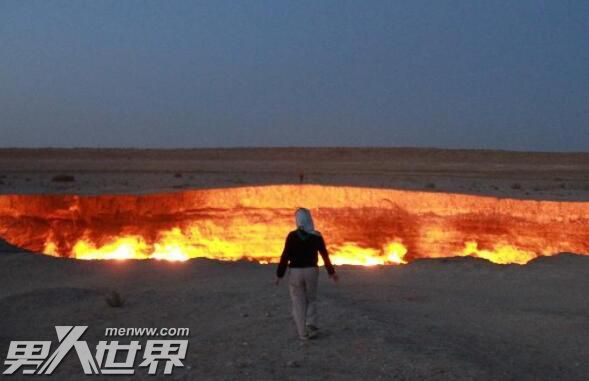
<point>361,226</point>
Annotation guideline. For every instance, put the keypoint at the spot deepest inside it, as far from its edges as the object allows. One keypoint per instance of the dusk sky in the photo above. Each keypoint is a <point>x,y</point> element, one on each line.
<point>508,74</point>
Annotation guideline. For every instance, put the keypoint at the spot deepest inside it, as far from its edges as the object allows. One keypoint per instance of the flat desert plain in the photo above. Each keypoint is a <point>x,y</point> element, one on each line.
<point>432,319</point>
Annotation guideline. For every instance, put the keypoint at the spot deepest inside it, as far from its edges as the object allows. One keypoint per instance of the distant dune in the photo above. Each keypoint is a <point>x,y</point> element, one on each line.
<point>558,176</point>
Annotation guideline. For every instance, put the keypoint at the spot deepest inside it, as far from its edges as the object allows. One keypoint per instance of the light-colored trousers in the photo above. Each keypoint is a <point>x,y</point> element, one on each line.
<point>302,284</point>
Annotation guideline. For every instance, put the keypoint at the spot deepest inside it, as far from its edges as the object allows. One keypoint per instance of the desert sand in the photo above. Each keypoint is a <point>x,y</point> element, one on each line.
<point>446,319</point>
<point>550,176</point>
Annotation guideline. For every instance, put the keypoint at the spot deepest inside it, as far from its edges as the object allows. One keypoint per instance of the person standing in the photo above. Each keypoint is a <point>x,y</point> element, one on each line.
<point>300,255</point>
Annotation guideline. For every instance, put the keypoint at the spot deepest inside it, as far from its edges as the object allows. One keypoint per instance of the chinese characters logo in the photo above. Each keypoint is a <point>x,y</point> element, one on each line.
<point>110,357</point>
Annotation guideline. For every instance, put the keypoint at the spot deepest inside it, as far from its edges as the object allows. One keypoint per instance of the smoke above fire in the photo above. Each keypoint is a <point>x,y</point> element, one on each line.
<point>361,226</point>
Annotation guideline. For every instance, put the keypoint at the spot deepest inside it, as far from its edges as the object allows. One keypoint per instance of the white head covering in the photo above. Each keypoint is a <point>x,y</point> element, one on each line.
<point>304,221</point>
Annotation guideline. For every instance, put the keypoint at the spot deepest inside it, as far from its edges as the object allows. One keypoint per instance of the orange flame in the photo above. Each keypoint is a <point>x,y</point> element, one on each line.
<point>362,226</point>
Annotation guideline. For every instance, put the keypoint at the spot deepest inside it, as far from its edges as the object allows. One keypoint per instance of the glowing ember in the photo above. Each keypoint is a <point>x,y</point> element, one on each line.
<point>362,226</point>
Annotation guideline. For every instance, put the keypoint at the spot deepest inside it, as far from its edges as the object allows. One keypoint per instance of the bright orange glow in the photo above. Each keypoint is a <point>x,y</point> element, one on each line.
<point>362,226</point>
<point>501,253</point>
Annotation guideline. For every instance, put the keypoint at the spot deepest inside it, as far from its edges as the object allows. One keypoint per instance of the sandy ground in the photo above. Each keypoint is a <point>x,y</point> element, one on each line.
<point>557,176</point>
<point>459,319</point>
<point>431,320</point>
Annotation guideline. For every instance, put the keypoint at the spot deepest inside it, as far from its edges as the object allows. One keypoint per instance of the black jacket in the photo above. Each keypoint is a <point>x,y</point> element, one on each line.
<point>300,250</point>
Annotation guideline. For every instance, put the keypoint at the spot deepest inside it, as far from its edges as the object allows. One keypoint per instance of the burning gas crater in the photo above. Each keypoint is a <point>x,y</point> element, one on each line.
<point>362,226</point>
